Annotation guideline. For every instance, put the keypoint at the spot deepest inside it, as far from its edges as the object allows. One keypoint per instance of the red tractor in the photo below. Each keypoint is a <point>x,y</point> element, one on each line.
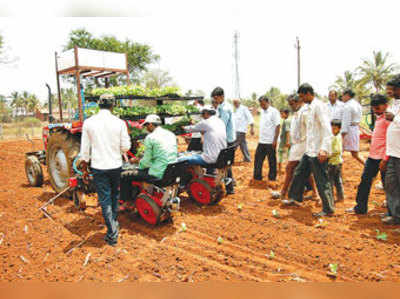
<point>62,141</point>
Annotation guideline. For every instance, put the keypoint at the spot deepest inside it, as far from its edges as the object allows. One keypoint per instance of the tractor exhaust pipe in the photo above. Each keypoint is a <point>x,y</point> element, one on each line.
<point>51,118</point>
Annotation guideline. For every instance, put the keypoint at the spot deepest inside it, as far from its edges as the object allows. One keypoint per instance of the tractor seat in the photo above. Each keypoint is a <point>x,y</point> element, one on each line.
<point>172,174</point>
<point>225,158</point>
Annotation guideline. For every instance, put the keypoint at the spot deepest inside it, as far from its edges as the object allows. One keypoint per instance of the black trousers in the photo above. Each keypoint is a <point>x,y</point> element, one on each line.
<point>229,188</point>
<point>129,192</point>
<point>371,169</point>
<point>265,150</point>
<point>302,172</point>
<point>392,187</point>
<point>195,145</point>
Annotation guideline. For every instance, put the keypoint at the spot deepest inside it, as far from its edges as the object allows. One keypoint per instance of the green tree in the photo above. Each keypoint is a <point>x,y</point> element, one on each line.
<point>277,98</point>
<point>377,71</point>
<point>5,111</point>
<point>17,102</point>
<point>32,103</point>
<point>139,55</point>
<point>157,78</point>
<point>349,81</point>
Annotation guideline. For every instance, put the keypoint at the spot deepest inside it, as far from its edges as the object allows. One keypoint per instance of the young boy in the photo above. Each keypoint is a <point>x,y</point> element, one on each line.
<point>284,144</point>
<point>335,160</point>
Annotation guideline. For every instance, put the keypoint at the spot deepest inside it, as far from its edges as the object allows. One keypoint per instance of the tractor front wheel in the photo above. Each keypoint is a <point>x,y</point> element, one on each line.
<point>33,171</point>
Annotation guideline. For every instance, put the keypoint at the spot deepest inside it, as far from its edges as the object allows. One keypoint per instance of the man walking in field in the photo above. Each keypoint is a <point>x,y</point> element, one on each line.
<point>376,157</point>
<point>104,140</point>
<point>225,112</point>
<point>298,131</point>
<point>392,167</point>
<point>318,149</point>
<point>335,106</point>
<point>243,119</point>
<point>352,114</point>
<point>269,132</point>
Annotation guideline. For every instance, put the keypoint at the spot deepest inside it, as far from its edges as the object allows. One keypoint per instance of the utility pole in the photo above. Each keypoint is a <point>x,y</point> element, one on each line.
<point>297,46</point>
<point>236,87</point>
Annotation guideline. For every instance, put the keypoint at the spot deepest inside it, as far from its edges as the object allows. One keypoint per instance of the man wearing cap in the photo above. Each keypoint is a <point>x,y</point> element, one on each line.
<point>214,138</point>
<point>104,140</point>
<point>225,112</point>
<point>160,150</point>
<point>243,119</point>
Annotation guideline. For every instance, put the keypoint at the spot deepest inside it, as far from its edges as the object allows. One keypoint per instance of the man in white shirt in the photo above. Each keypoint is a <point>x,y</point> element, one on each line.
<point>352,114</point>
<point>335,106</point>
<point>270,123</point>
<point>392,167</point>
<point>214,138</point>
<point>315,160</point>
<point>298,133</point>
<point>104,140</point>
<point>243,119</point>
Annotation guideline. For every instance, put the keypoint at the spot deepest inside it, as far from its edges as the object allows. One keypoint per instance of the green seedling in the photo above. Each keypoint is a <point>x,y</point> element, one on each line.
<point>183,227</point>
<point>220,240</point>
<point>333,268</point>
<point>381,236</point>
<point>275,213</point>
<point>271,255</point>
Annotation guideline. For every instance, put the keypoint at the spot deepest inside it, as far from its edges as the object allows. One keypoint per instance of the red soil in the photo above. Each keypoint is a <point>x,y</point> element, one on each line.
<point>35,248</point>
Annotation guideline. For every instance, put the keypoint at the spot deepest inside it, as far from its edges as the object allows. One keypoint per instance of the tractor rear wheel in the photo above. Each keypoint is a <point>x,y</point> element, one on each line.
<point>62,149</point>
<point>148,209</point>
<point>202,193</point>
<point>33,171</point>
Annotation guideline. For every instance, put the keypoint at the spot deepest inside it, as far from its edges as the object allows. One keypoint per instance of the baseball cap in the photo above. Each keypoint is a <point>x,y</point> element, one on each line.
<point>106,99</point>
<point>152,119</point>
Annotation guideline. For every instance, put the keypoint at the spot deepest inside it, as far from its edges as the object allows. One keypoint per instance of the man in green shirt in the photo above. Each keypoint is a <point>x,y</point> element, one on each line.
<point>161,149</point>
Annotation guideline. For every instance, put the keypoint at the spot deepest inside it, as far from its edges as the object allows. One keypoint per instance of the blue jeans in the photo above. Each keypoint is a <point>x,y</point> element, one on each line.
<point>107,183</point>
<point>194,160</point>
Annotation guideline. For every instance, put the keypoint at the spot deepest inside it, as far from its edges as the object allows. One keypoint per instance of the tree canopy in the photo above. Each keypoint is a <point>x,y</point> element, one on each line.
<point>377,71</point>
<point>139,55</point>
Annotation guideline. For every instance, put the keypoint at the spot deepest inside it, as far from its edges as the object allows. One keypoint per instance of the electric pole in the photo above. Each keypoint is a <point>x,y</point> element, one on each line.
<point>236,85</point>
<point>297,46</point>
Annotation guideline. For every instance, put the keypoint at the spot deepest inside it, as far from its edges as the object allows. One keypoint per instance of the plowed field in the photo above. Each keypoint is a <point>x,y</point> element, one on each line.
<point>255,246</point>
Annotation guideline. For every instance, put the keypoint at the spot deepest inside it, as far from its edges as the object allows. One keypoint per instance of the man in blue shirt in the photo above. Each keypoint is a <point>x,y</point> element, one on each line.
<point>225,112</point>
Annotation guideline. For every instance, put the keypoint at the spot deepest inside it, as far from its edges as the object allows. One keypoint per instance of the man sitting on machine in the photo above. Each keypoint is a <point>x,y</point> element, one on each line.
<point>161,149</point>
<point>214,137</point>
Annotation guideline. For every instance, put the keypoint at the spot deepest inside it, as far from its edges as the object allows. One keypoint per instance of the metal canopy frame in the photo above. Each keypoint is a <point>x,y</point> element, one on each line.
<point>85,71</point>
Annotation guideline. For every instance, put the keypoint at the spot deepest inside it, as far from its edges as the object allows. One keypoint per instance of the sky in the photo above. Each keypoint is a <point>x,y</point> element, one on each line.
<point>195,39</point>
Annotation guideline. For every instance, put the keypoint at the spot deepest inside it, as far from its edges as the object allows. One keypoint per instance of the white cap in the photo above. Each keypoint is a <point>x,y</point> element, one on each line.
<point>152,119</point>
<point>208,108</point>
